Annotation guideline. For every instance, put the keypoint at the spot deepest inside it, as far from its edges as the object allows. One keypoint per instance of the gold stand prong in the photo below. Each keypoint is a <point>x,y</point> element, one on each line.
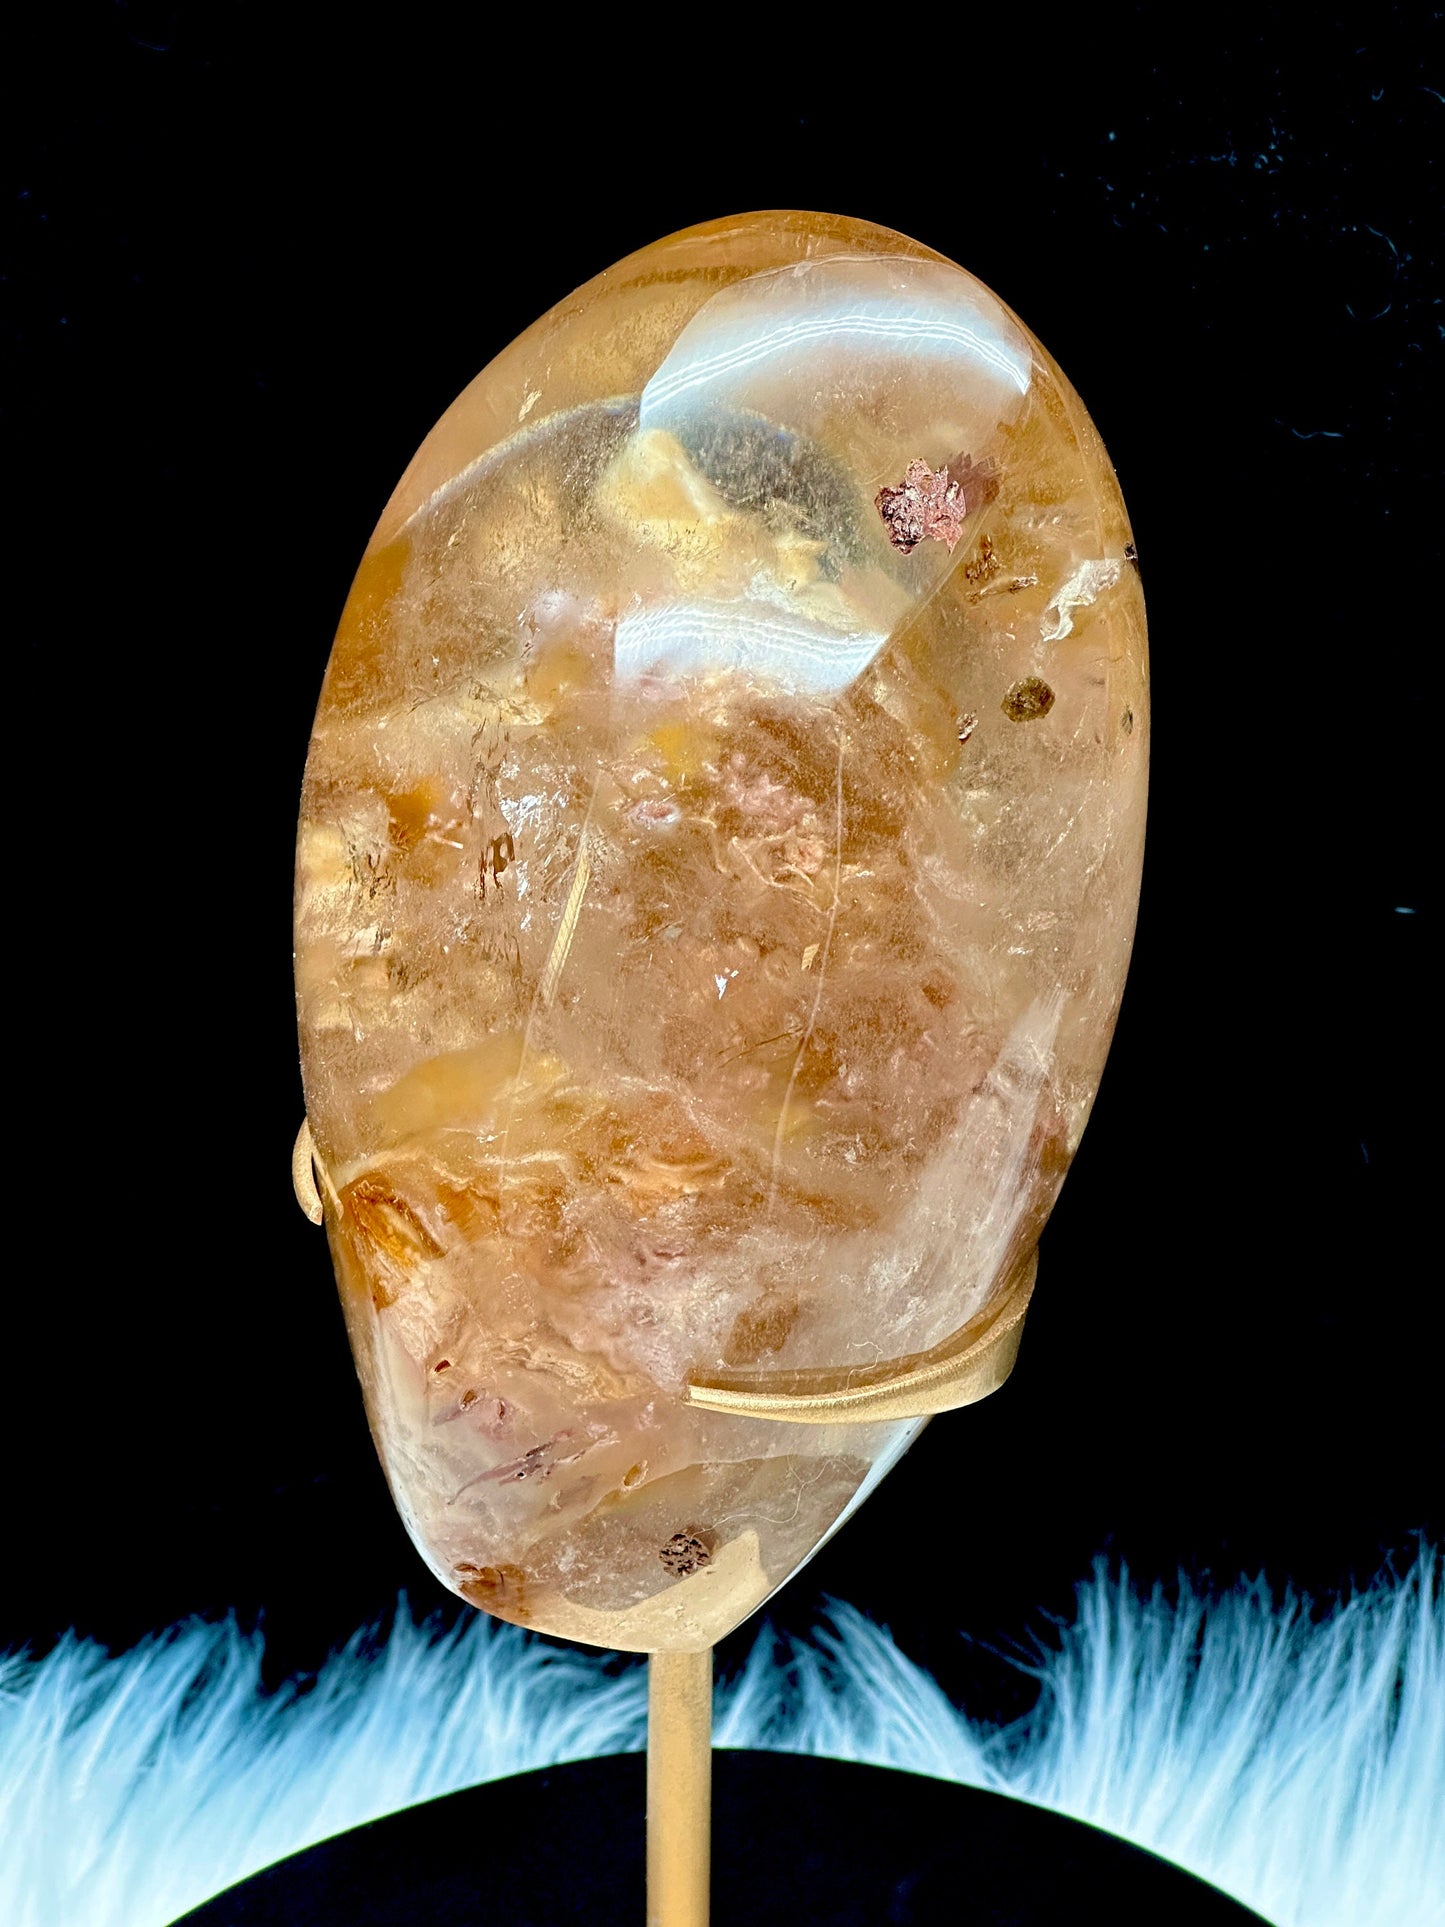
<point>303,1174</point>
<point>679,1788</point>
<point>965,1368</point>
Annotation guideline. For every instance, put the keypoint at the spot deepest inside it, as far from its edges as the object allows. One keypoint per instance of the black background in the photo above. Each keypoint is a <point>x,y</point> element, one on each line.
<point>255,252</point>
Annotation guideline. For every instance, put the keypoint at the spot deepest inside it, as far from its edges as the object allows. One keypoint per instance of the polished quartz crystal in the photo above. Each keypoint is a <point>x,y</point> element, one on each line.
<point>717,867</point>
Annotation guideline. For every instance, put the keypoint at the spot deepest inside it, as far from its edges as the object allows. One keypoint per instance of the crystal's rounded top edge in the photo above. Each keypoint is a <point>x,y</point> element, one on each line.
<point>813,224</point>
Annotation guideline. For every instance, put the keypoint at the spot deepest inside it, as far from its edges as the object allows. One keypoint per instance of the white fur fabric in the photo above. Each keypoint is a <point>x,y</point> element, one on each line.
<point>1296,1758</point>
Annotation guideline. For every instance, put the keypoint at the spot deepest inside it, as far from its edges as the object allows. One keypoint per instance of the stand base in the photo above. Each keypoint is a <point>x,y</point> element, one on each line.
<point>798,1842</point>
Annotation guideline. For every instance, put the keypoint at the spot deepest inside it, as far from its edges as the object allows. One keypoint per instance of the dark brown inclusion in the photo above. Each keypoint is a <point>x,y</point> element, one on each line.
<point>685,1552</point>
<point>1028,700</point>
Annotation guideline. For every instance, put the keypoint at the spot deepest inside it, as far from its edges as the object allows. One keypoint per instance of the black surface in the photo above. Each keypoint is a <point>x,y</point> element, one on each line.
<point>801,1843</point>
<point>253,252</point>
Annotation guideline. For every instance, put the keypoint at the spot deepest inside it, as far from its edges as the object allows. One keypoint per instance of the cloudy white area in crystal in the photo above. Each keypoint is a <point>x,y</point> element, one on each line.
<point>710,919</point>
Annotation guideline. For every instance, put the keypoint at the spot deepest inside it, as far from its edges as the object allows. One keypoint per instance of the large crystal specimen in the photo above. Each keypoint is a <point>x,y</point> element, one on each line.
<point>717,869</point>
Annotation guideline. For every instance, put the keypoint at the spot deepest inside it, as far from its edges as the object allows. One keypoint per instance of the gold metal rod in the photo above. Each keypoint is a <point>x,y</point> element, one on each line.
<point>679,1788</point>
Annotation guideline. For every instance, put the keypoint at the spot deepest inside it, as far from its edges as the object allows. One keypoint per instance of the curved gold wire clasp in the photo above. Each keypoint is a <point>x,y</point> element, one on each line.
<point>963,1369</point>
<point>303,1174</point>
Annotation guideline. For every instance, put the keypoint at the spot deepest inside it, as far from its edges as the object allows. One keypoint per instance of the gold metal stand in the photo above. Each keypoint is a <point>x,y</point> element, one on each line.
<point>679,1788</point>
<point>966,1367</point>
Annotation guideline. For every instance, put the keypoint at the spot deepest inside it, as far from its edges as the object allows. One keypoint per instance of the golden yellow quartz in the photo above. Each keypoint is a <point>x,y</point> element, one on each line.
<point>717,868</point>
